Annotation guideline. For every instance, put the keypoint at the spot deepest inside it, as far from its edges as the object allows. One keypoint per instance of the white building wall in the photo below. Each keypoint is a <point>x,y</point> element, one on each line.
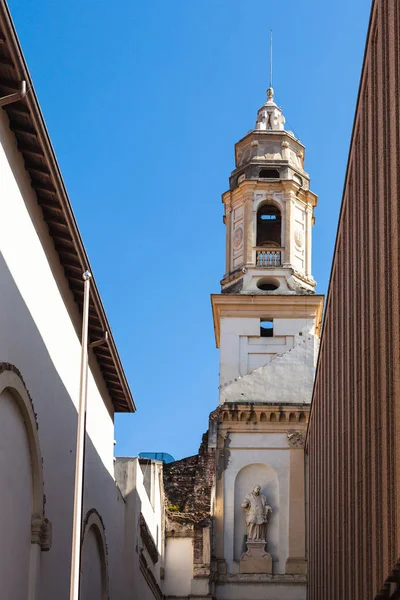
<point>15,501</point>
<point>149,503</point>
<point>267,369</point>
<point>178,567</point>
<point>257,459</point>
<point>39,322</point>
<point>92,585</point>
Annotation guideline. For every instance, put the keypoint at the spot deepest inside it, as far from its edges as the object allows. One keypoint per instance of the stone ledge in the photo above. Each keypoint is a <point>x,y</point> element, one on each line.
<point>261,578</point>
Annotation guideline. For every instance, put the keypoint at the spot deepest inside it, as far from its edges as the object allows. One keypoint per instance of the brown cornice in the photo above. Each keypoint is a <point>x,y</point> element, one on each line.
<point>33,142</point>
<point>263,417</point>
<point>271,305</point>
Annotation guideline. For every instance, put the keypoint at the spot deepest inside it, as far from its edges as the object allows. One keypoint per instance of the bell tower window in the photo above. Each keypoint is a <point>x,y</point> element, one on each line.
<point>269,223</point>
<point>269,174</point>
<point>266,328</point>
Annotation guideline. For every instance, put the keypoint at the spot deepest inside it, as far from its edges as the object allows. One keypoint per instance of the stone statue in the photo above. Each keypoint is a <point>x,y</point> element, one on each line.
<point>257,510</point>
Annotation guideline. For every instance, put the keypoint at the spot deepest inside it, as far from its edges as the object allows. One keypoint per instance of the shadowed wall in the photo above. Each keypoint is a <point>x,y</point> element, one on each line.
<point>353,439</point>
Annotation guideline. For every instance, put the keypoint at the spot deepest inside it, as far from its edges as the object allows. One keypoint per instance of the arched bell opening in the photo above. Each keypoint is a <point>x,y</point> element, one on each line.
<point>269,224</point>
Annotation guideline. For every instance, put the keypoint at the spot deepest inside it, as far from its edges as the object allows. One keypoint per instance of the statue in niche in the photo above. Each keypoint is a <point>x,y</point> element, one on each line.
<point>257,511</point>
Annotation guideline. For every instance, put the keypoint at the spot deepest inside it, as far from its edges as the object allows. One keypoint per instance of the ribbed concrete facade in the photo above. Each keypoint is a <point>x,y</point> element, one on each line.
<point>353,441</point>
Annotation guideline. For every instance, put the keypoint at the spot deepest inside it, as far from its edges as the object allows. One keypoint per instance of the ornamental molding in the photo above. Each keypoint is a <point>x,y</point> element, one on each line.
<point>41,532</point>
<point>296,439</point>
<point>242,414</point>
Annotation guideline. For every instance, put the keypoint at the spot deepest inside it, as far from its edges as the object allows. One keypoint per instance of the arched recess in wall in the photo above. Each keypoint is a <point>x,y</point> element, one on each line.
<point>94,561</point>
<point>25,529</point>
<point>248,477</point>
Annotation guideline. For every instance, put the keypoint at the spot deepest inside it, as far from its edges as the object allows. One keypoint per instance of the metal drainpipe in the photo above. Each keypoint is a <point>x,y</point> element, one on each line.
<point>14,97</point>
<point>80,447</point>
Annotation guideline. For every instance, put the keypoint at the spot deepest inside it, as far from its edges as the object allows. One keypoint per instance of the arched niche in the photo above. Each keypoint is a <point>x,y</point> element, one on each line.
<point>94,563</point>
<point>21,482</point>
<point>248,477</point>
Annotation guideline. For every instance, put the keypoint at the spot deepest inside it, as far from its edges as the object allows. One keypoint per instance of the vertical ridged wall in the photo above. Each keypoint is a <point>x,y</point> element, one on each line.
<point>353,441</point>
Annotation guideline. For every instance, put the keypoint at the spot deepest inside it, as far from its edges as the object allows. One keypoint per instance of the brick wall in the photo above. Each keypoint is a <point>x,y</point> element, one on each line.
<point>353,439</point>
<point>188,484</point>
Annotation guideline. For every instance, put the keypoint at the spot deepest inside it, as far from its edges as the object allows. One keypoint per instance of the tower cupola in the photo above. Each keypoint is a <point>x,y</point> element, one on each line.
<point>269,211</point>
<point>270,116</point>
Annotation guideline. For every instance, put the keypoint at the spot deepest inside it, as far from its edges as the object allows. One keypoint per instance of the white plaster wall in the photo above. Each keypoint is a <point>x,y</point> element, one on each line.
<point>151,504</point>
<point>91,568</point>
<point>15,501</point>
<point>268,456</point>
<point>39,322</point>
<point>178,567</point>
<point>267,369</point>
<point>131,479</point>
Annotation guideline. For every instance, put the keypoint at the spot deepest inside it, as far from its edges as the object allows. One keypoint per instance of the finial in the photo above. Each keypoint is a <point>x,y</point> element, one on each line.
<point>270,59</point>
<point>270,117</point>
<point>270,90</point>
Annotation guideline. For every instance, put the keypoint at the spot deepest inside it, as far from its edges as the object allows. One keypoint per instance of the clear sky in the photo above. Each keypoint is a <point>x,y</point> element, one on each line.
<point>144,101</point>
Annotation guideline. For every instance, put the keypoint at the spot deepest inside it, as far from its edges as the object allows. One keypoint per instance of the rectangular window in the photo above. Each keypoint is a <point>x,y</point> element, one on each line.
<point>266,327</point>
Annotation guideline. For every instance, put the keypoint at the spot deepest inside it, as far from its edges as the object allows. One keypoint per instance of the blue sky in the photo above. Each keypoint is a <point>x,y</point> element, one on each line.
<point>144,102</point>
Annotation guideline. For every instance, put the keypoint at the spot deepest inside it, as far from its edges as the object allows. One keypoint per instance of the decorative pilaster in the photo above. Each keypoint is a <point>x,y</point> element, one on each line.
<point>296,563</point>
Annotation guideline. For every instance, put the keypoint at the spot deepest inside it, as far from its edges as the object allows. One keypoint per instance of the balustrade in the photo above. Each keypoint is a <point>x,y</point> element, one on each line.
<point>268,258</point>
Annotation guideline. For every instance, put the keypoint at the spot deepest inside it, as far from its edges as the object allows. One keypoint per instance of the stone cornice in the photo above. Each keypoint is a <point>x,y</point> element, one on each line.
<point>274,305</point>
<point>261,578</point>
<point>265,418</point>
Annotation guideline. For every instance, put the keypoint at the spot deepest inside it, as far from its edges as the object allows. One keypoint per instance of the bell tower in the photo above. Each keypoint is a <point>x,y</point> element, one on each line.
<point>268,313</point>
<point>269,211</point>
<point>267,320</point>
<point>245,525</point>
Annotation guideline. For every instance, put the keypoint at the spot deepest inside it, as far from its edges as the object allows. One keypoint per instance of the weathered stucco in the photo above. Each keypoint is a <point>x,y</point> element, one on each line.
<point>288,377</point>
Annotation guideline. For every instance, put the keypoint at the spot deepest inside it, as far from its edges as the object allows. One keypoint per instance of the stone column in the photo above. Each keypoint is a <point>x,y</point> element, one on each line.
<point>228,225</point>
<point>308,238</point>
<point>219,511</point>
<point>287,261</point>
<point>248,226</point>
<point>297,563</point>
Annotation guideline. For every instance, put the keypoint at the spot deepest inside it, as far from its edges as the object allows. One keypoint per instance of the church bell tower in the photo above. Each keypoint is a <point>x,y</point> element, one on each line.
<point>267,320</point>
<point>269,211</point>
<point>236,518</point>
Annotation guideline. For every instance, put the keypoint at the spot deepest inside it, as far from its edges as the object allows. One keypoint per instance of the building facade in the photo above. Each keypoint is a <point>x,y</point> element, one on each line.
<point>42,259</point>
<point>353,442</point>
<point>266,320</point>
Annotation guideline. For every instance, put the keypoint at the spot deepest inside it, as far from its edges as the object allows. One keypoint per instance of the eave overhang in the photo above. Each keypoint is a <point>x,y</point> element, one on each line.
<point>276,306</point>
<point>33,142</point>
